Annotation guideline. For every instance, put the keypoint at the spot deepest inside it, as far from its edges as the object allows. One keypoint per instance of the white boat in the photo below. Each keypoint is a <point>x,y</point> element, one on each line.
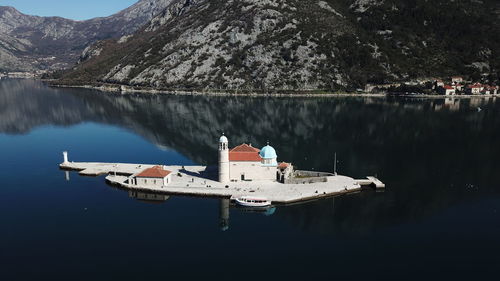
<point>249,201</point>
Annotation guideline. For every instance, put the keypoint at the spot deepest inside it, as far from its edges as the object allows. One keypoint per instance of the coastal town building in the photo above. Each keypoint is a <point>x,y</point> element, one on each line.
<point>457,79</point>
<point>247,163</point>
<point>490,90</point>
<point>155,176</point>
<point>448,90</point>
<point>474,89</point>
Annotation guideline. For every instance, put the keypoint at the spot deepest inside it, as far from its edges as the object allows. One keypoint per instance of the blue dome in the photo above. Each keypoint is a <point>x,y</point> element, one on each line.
<point>223,139</point>
<point>268,152</point>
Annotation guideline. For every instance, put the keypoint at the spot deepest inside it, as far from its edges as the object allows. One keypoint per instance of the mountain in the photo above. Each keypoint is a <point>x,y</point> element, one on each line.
<point>299,44</point>
<point>32,42</point>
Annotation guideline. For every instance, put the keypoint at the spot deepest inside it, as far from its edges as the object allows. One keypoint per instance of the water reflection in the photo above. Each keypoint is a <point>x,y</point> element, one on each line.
<point>267,211</point>
<point>427,151</point>
<point>150,198</point>
<point>224,214</point>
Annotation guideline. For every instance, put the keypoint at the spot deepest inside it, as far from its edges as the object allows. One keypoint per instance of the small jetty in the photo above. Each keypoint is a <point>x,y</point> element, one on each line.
<point>371,182</point>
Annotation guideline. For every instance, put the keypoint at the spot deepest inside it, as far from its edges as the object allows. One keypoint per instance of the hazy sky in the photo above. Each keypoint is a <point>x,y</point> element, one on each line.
<point>73,9</point>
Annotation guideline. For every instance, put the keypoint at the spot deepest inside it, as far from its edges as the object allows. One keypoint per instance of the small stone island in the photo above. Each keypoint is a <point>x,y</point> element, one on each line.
<point>242,171</point>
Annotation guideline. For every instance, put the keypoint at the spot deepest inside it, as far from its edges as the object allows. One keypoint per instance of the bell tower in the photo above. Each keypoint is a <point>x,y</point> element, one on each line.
<point>223,159</point>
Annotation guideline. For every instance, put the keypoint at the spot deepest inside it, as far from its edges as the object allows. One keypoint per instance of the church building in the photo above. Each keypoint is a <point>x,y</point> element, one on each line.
<point>247,163</point>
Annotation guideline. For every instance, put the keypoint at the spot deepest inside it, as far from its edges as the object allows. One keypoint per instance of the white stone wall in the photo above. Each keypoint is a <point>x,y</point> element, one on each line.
<point>158,182</point>
<point>252,171</point>
<point>474,91</point>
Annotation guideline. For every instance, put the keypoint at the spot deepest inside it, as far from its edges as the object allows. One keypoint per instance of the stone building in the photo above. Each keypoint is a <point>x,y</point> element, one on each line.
<point>448,90</point>
<point>457,79</point>
<point>438,84</point>
<point>285,171</point>
<point>247,163</point>
<point>155,177</point>
<point>474,89</point>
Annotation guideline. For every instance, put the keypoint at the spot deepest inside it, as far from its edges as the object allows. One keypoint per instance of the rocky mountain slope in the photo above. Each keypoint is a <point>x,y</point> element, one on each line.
<point>31,42</point>
<point>299,44</point>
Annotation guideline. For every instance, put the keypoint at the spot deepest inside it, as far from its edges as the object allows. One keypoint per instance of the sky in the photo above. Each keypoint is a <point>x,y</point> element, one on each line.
<point>72,9</point>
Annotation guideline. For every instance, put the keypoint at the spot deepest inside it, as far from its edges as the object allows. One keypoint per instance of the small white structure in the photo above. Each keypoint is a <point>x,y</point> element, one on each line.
<point>494,90</point>
<point>489,90</point>
<point>155,176</point>
<point>474,89</point>
<point>457,79</point>
<point>439,83</point>
<point>448,90</point>
<point>285,171</point>
<point>65,157</point>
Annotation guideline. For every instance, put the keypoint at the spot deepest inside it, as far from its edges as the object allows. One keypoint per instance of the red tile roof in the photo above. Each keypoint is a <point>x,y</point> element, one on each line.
<point>244,153</point>
<point>155,172</point>
<point>283,165</point>
<point>245,148</point>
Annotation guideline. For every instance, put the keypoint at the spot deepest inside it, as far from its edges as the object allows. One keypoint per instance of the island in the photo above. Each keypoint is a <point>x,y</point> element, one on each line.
<point>242,171</point>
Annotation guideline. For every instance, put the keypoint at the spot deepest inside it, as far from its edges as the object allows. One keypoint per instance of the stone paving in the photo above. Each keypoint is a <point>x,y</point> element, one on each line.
<point>196,181</point>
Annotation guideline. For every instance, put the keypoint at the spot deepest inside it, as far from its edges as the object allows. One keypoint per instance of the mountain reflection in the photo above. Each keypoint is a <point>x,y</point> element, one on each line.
<point>427,151</point>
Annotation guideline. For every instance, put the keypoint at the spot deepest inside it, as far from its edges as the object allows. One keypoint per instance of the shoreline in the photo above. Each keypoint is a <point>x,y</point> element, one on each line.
<point>122,89</point>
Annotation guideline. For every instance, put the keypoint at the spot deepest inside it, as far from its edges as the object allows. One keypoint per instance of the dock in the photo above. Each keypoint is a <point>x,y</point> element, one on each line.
<point>371,181</point>
<point>200,181</point>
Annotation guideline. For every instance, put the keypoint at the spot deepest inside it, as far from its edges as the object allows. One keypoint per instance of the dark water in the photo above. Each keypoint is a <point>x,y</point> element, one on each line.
<point>439,218</point>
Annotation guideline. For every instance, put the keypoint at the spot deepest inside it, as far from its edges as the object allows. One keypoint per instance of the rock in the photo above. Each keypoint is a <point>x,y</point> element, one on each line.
<point>29,42</point>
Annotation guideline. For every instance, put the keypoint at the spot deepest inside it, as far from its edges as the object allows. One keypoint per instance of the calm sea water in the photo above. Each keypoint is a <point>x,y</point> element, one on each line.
<point>438,219</point>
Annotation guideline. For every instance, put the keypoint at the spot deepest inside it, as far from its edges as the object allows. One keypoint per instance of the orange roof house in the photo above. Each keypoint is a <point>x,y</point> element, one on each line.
<point>155,172</point>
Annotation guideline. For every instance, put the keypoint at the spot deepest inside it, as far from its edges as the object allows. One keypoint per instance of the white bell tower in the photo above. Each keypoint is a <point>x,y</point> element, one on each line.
<point>223,159</point>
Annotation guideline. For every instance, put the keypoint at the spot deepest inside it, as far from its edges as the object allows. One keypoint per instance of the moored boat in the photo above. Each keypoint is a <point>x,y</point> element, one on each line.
<point>249,201</point>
